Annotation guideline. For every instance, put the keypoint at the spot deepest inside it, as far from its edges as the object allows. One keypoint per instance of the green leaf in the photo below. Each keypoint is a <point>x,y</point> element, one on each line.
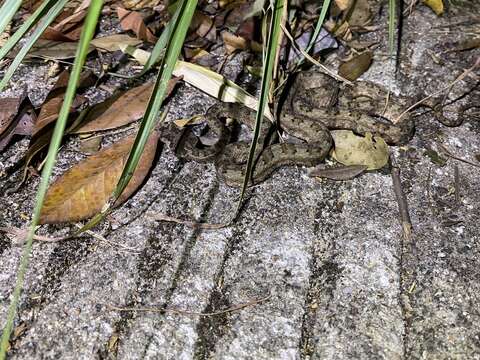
<point>44,23</point>
<point>27,25</point>
<point>318,27</point>
<point>87,35</point>
<point>8,10</point>
<point>278,13</point>
<point>391,26</point>
<point>174,45</point>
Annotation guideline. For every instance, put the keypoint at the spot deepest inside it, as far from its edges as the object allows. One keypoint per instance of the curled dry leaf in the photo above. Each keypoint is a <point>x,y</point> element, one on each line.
<point>85,188</point>
<point>203,26</point>
<point>351,149</point>
<point>355,67</point>
<point>338,173</point>
<point>132,20</point>
<point>16,118</point>
<point>435,5</point>
<point>122,109</point>
<point>216,85</point>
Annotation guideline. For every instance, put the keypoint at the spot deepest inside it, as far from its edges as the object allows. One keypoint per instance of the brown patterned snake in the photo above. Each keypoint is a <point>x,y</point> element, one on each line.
<point>315,104</point>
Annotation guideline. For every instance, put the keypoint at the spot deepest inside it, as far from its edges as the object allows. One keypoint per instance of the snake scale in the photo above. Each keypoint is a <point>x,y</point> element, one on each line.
<point>315,104</point>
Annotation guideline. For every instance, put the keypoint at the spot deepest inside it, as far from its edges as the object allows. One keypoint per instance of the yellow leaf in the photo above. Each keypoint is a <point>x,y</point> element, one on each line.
<point>435,5</point>
<point>351,149</point>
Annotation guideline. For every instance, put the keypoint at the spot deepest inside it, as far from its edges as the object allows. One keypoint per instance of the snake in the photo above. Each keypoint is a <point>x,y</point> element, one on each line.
<point>314,105</point>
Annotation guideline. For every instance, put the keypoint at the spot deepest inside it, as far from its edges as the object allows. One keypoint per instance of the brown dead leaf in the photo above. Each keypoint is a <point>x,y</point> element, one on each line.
<point>52,105</point>
<point>70,22</point>
<point>203,26</point>
<point>355,67</point>
<point>233,42</point>
<point>16,118</point>
<point>91,144</point>
<point>85,188</point>
<point>55,35</point>
<point>113,42</point>
<point>132,20</point>
<point>121,110</point>
<point>48,49</point>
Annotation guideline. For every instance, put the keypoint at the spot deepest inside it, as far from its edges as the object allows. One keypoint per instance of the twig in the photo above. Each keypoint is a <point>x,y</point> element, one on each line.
<point>449,86</point>
<point>191,224</point>
<point>449,154</point>
<point>190,313</point>
<point>313,61</point>
<point>456,176</point>
<point>20,234</point>
<point>103,239</point>
<point>402,203</point>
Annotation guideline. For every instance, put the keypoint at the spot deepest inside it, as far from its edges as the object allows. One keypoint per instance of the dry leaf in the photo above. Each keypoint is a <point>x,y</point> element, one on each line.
<point>85,188</point>
<point>343,4</point>
<point>55,35</point>
<point>132,20</point>
<point>216,85</point>
<point>122,109</point>
<point>53,103</point>
<point>233,42</point>
<point>435,5</point>
<point>113,42</point>
<point>338,173</point>
<point>203,26</point>
<point>16,118</point>
<point>355,67</point>
<point>351,149</point>
<point>55,50</point>
<point>90,145</point>
<point>139,4</point>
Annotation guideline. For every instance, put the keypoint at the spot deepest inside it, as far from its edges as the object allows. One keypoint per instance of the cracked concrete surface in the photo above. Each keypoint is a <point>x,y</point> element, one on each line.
<point>341,281</point>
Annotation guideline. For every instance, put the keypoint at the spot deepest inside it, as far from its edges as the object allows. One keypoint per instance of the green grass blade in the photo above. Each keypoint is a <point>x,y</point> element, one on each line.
<point>391,26</point>
<point>159,48</point>
<point>7,11</point>
<point>175,41</point>
<point>82,51</point>
<point>174,46</point>
<point>44,22</point>
<point>318,27</point>
<point>273,44</point>
<point>27,25</point>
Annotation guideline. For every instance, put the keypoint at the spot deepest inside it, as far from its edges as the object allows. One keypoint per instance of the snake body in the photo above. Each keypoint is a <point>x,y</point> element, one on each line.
<point>315,104</point>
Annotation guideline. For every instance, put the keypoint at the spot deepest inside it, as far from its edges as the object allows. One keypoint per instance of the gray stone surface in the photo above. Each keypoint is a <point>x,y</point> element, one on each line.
<point>341,281</point>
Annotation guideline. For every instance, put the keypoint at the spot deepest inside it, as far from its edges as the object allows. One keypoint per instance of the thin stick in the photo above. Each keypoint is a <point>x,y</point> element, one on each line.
<point>402,203</point>
<point>190,313</point>
<point>19,235</point>
<point>449,154</point>
<point>461,77</point>
<point>191,224</point>
<point>456,176</point>
<point>312,60</point>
